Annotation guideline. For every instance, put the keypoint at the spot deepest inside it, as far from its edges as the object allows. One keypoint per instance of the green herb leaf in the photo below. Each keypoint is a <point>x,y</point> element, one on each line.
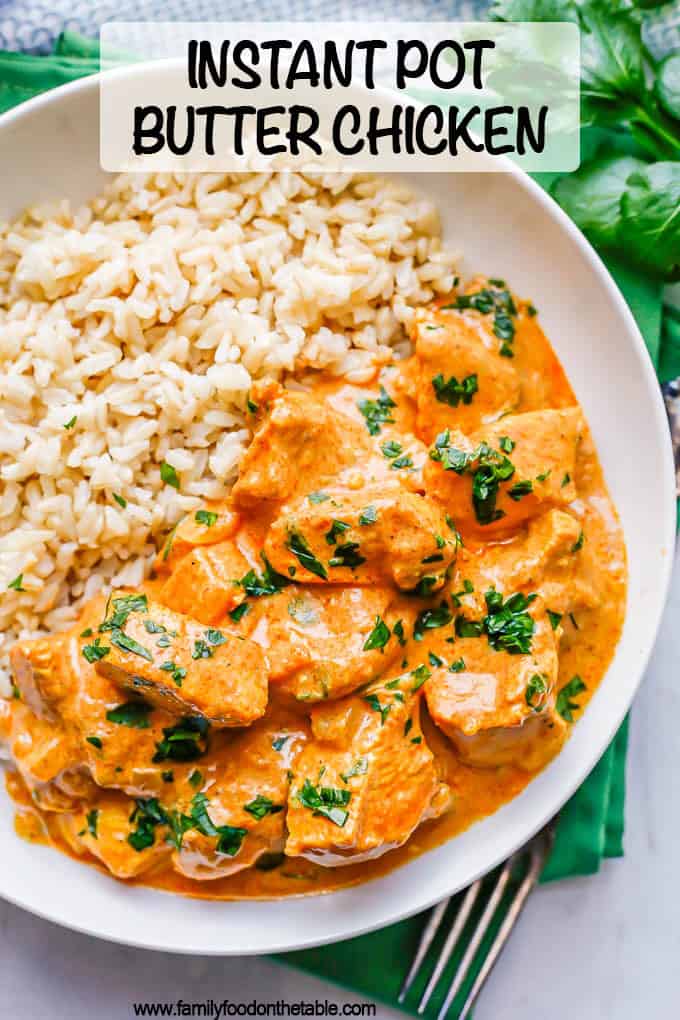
<point>377,412</point>
<point>565,704</point>
<point>457,666</point>
<point>92,818</point>
<point>359,768</point>
<point>347,555</point>
<point>318,497</point>
<point>667,85</point>
<point>16,584</point>
<point>262,806</point>
<point>206,517</point>
<point>95,741</point>
<point>237,614</point>
<point>297,544</point>
<point>555,619</point>
<point>95,651</point>
<point>430,619</point>
<point>578,544</point>
<point>379,636</point>
<point>336,528</point>
<point>452,392</point>
<point>374,702</point>
<point>536,692</point>
<point>650,210</point>
<point>128,644</point>
<point>120,500</point>
<point>71,423</point>
<point>520,489</point>
<point>369,515</point>
<point>269,583</point>
<point>147,815</point>
<point>327,801</point>
<point>134,714</point>
<point>592,195</point>
<point>186,741</point>
<point>508,625</point>
<point>168,475</point>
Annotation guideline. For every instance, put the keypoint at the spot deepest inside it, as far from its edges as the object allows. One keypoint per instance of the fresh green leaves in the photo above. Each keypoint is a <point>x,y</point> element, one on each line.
<point>336,528</point>
<point>206,517</point>
<point>431,619</point>
<point>347,555</point>
<point>536,692</point>
<point>592,195</point>
<point>146,816</point>
<point>369,515</point>
<point>92,819</point>
<point>565,704</point>
<point>452,392</point>
<point>377,412</point>
<point>17,583</point>
<point>328,801</point>
<point>488,468</point>
<point>95,651</point>
<point>667,85</point>
<point>374,702</point>
<point>299,547</point>
<point>650,209</point>
<point>268,583</point>
<point>134,714</point>
<point>262,806</point>
<point>177,673</point>
<point>508,625</point>
<point>168,475</point>
<point>186,741</point>
<point>229,838</point>
<point>498,300</point>
<point>378,637</point>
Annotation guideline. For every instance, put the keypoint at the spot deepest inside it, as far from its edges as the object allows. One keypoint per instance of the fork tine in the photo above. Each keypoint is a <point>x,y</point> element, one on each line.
<point>514,910</point>
<point>464,912</point>
<point>426,939</point>
<point>478,934</point>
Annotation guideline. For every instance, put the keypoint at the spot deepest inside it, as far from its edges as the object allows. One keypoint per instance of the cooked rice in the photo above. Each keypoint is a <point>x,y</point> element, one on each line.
<point>146,315</point>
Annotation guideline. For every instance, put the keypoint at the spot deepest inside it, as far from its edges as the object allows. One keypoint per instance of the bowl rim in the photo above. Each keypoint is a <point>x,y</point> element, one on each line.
<point>392,912</point>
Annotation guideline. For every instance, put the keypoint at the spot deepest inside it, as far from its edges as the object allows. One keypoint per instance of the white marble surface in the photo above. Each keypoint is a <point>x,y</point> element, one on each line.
<point>603,948</point>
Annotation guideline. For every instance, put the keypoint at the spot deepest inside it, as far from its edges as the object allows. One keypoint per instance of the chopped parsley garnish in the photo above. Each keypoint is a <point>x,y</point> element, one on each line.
<point>520,489</point>
<point>123,607</point>
<point>496,299</point>
<point>374,702</point>
<point>369,515</point>
<point>420,675</point>
<point>134,714</point>
<point>164,641</point>
<point>359,768</point>
<point>434,659</point>
<point>508,625</point>
<point>95,741</point>
<point>391,448</point>
<point>206,517</point>
<point>186,741</point>
<point>377,412</point>
<point>177,673</point>
<point>16,584</point>
<point>468,628</point>
<point>506,444</point>
<point>262,806</point>
<point>565,704</point>
<point>398,631</point>
<point>452,392</point>
<point>87,632</point>
<point>203,649</point>
<point>544,476</point>
<point>151,627</point>
<point>252,406</point>
<point>336,528</point>
<point>488,468</point>
<point>92,817</point>
<point>269,583</point>
<point>215,637</point>
<point>531,311</point>
<point>128,644</point>
<point>378,637</point>
<point>555,619</point>
<point>318,497</point>
<point>280,741</point>
<point>71,422</point>
<point>168,475</point>
<point>237,614</point>
<point>297,544</point>
<point>328,801</point>
<point>434,558</point>
<point>147,814</point>
<point>347,555</point>
<point>573,620</point>
<point>120,500</point>
<point>405,461</point>
<point>430,619</point>
<point>408,726</point>
<point>416,740</point>
<point>425,586</point>
<point>196,778</point>
<point>536,692</point>
<point>565,481</point>
<point>168,776</point>
<point>95,651</point>
<point>578,544</point>
<point>457,666</point>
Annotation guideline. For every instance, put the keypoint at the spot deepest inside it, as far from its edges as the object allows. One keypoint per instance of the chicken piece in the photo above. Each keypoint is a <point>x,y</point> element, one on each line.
<point>239,813</point>
<point>180,665</point>
<point>48,760</point>
<point>506,472</point>
<point>123,742</point>
<point>462,381</point>
<point>315,639</point>
<point>367,537</point>
<point>127,836</point>
<point>498,708</point>
<point>211,524</point>
<point>299,443</point>
<point>546,557</point>
<point>203,584</point>
<point>367,779</point>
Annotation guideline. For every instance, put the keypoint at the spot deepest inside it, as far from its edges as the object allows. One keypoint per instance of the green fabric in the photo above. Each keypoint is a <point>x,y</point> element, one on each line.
<point>591,825</point>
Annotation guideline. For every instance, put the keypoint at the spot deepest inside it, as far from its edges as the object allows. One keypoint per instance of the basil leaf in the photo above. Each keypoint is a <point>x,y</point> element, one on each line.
<point>591,196</point>
<point>667,85</point>
<point>651,217</point>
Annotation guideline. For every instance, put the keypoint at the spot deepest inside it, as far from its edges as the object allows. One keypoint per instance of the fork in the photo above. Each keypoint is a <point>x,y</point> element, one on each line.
<point>512,882</point>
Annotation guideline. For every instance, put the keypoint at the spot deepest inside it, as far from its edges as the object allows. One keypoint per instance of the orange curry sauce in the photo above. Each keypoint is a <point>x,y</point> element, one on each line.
<point>587,632</point>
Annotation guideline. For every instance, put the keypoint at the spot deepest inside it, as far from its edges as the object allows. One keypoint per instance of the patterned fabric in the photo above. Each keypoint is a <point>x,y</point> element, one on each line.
<point>34,25</point>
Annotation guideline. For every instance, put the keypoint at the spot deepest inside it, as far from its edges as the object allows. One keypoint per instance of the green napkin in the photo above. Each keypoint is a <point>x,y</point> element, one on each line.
<point>591,825</point>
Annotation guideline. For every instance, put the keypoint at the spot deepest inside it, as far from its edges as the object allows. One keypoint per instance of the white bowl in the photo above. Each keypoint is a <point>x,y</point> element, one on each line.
<point>506,226</point>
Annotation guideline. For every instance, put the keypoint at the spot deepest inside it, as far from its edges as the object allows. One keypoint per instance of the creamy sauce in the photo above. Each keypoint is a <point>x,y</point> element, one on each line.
<point>586,648</point>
